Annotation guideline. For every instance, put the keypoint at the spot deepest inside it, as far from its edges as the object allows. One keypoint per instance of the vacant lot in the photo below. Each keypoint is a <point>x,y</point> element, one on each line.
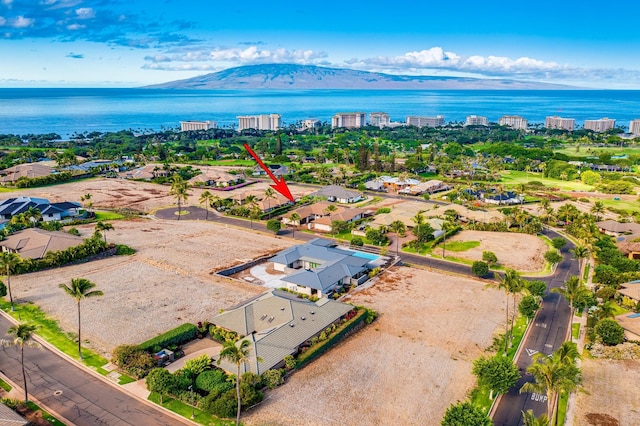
<point>166,283</point>
<point>404,369</point>
<point>522,252</point>
<point>611,395</point>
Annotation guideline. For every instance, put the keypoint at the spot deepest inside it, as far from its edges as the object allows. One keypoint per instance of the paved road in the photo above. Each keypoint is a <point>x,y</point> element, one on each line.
<point>547,334</point>
<point>76,395</point>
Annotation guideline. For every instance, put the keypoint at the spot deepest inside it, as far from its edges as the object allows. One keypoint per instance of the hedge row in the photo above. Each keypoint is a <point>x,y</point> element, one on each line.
<point>177,336</point>
<point>321,347</point>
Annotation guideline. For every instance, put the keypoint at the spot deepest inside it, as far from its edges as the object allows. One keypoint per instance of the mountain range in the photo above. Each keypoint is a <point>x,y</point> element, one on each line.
<point>306,77</point>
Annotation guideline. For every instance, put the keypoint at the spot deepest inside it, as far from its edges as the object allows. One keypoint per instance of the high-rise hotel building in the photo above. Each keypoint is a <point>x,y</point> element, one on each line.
<point>556,122</point>
<point>379,119</point>
<point>259,122</point>
<point>197,125</point>
<point>414,120</point>
<point>600,126</point>
<point>514,121</point>
<point>476,120</point>
<point>634,127</point>
<point>349,120</point>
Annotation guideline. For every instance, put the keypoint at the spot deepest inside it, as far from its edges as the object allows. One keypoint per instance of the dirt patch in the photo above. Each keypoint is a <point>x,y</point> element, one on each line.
<point>406,368</point>
<point>610,395</point>
<point>521,252</point>
<point>166,283</point>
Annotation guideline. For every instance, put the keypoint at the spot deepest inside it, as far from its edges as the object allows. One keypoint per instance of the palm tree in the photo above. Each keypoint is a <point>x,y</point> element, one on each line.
<point>269,194</point>
<point>574,292</point>
<point>563,176</point>
<point>568,353</point>
<point>23,337</point>
<point>544,205</point>
<point>580,253</point>
<point>511,282</point>
<point>399,228</point>
<point>294,220</point>
<point>530,419</point>
<point>252,201</point>
<point>8,261</point>
<point>598,210</point>
<point>238,355</point>
<point>104,227</point>
<point>551,377</point>
<point>33,215</point>
<point>446,227</point>
<point>179,189</point>
<point>206,198</point>
<point>80,289</point>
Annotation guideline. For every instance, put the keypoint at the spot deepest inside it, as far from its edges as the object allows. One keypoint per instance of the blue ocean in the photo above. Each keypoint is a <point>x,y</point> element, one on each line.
<point>66,111</point>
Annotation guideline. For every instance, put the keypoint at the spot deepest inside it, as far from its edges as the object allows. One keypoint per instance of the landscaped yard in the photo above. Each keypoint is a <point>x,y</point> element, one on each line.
<point>406,368</point>
<point>514,177</point>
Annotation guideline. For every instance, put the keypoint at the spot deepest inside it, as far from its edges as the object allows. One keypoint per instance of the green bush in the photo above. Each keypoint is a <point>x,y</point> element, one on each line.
<point>357,241</point>
<point>74,231</point>
<point>273,378</point>
<point>479,268</point>
<point>177,336</point>
<point>382,210</point>
<point>225,406</point>
<point>133,360</point>
<point>209,379</point>
<point>10,402</point>
<point>123,250</point>
<point>3,289</point>
<point>610,331</point>
<point>290,361</point>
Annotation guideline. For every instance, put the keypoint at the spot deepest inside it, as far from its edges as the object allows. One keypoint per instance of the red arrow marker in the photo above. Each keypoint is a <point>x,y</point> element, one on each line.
<point>279,185</point>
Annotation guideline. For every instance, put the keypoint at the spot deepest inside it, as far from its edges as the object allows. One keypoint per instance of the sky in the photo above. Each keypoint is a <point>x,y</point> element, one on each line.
<point>114,43</point>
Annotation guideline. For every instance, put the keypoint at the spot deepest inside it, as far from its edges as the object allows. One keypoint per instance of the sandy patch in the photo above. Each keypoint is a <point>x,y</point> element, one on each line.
<point>166,283</point>
<point>406,368</point>
<point>611,396</point>
<point>521,252</point>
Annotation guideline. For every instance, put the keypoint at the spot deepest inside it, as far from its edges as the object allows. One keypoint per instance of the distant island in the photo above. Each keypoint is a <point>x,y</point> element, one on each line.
<point>308,77</point>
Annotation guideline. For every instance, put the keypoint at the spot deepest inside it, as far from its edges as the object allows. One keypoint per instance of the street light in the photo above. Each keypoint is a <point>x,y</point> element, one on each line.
<point>192,401</point>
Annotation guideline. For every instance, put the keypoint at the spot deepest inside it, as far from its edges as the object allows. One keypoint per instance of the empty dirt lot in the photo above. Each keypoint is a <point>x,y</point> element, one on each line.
<point>404,369</point>
<point>166,283</point>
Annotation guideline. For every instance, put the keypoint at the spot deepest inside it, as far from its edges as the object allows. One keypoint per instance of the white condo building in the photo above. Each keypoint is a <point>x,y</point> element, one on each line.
<point>414,120</point>
<point>556,122</point>
<point>601,125</point>
<point>476,120</point>
<point>197,125</point>
<point>259,122</point>
<point>349,120</point>
<point>634,127</point>
<point>514,121</point>
<point>310,123</point>
<point>379,119</point>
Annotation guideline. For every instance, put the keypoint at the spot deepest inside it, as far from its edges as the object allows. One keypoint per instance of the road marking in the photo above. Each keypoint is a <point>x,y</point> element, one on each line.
<point>539,398</point>
<point>541,324</point>
<point>531,352</point>
<point>548,345</point>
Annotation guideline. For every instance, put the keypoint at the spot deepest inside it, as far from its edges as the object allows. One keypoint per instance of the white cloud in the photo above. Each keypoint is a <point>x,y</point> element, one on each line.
<point>21,22</point>
<point>85,13</point>
<point>75,27</point>
<point>3,21</point>
<point>7,3</point>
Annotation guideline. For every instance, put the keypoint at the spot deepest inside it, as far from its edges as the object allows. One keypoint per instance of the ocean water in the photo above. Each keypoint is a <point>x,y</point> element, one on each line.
<point>65,111</point>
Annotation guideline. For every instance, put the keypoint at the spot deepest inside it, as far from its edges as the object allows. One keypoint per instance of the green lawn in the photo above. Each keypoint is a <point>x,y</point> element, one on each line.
<point>185,411</point>
<point>461,245</point>
<point>575,330</point>
<point>108,216</point>
<point>4,385</point>
<point>514,177</point>
<point>632,205</point>
<point>562,408</point>
<point>45,415</point>
<point>588,151</point>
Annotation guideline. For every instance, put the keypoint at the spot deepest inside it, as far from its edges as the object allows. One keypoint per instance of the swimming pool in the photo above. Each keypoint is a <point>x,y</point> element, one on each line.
<point>369,256</point>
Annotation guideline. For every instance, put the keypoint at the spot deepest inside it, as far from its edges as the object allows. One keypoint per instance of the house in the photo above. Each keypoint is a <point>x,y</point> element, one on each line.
<point>35,243</point>
<point>339,194</point>
<point>147,172</point>
<point>89,166</point>
<point>215,178</point>
<point>277,324</point>
<point>390,183</point>
<point>264,203</point>
<point>49,211</point>
<point>508,197</point>
<point>8,417</point>
<point>309,213</point>
<point>317,216</point>
<point>278,170</point>
<point>325,223</point>
<point>319,267</point>
<point>28,170</point>
<point>619,229</point>
<point>428,187</point>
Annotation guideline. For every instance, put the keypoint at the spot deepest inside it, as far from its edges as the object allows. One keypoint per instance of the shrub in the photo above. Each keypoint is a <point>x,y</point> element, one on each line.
<point>290,361</point>
<point>273,378</point>
<point>536,287</point>
<point>133,360</point>
<point>74,231</point>
<point>371,316</point>
<point>274,225</point>
<point>382,210</point>
<point>177,336</point>
<point>610,331</point>
<point>10,402</point>
<point>249,395</point>
<point>123,250</point>
<point>209,379</point>
<point>489,257</point>
<point>224,406</point>
<point>480,268</point>
<point>159,380</point>
<point>606,293</point>
<point>357,241</point>
<point>3,289</point>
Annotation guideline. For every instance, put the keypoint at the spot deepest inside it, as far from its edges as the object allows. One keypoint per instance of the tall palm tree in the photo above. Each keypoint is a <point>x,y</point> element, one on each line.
<point>80,289</point>
<point>270,194</point>
<point>574,292</point>
<point>23,337</point>
<point>294,220</point>
<point>398,227</point>
<point>530,419</point>
<point>238,355</point>
<point>510,283</point>
<point>598,210</point>
<point>446,227</point>
<point>103,227</point>
<point>8,261</point>
<point>581,253</point>
<point>180,190</point>
<point>33,215</point>
<point>252,202</point>
<point>206,198</point>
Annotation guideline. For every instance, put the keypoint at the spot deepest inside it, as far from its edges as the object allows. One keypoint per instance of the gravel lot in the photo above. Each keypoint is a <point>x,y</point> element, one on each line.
<point>404,369</point>
<point>166,283</point>
<point>521,252</point>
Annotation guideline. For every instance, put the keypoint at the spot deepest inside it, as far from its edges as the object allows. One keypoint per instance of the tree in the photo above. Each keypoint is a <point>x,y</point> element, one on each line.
<point>294,220</point>
<point>80,289</point>
<point>530,419</point>
<point>553,257</point>
<point>23,335</point>
<point>274,225</point>
<point>511,283</point>
<point>207,198</point>
<point>270,194</point>
<point>159,380</point>
<point>479,268</point>
<point>33,215</point>
<point>3,289</point>
<point>528,306</point>
<point>558,243</point>
<point>399,228</point>
<point>598,210</point>
<point>254,210</point>
<point>498,373</point>
<point>103,227</point>
<point>489,257</point>
<point>180,190</point>
<point>536,288</point>
<point>580,253</point>
<point>611,333</point>
<point>574,292</point>
<point>446,227</point>
<point>465,413</point>
<point>8,261</point>
<point>238,355</point>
